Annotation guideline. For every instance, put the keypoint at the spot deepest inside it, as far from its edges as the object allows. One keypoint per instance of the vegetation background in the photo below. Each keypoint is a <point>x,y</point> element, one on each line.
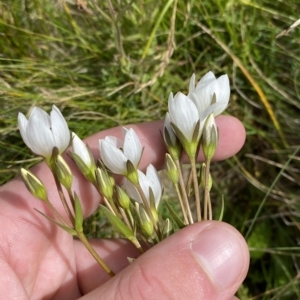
<point>106,63</point>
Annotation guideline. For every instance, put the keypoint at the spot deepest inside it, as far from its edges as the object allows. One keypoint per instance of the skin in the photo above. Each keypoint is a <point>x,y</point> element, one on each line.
<point>38,260</point>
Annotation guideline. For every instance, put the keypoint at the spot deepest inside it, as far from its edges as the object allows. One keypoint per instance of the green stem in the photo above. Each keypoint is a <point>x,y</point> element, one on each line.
<point>184,194</point>
<point>183,209</point>
<point>125,218</point>
<point>71,198</point>
<point>196,188</point>
<point>55,212</point>
<point>207,202</point>
<point>63,199</point>
<point>99,260</point>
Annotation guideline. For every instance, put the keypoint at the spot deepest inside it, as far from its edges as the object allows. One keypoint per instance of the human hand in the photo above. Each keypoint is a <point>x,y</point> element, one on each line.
<point>207,260</point>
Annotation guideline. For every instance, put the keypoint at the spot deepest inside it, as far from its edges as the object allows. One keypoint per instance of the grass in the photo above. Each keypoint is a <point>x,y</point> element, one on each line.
<point>112,64</point>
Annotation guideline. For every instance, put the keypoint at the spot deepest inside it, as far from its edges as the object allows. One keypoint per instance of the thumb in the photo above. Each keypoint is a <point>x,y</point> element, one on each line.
<point>207,260</point>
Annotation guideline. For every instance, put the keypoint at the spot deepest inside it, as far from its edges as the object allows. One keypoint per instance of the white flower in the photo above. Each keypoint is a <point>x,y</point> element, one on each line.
<point>83,158</point>
<point>80,148</point>
<point>202,94</point>
<point>146,181</point>
<point>115,153</point>
<point>41,132</point>
<point>184,115</point>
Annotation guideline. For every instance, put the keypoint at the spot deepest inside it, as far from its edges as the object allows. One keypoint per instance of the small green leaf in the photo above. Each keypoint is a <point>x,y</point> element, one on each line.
<point>175,216</point>
<point>78,214</point>
<point>167,228</point>
<point>222,209</point>
<point>117,223</point>
<point>66,228</point>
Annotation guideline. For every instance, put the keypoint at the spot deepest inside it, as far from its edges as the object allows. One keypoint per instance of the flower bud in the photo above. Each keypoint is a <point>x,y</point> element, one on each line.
<point>202,178</point>
<point>153,207</point>
<point>210,137</point>
<point>83,158</point>
<point>63,172</point>
<point>171,169</point>
<point>105,183</point>
<point>122,197</point>
<point>34,185</point>
<point>146,223</point>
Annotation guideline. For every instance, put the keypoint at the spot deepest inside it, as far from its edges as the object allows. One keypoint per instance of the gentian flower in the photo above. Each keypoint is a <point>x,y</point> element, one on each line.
<point>211,95</point>
<point>184,115</point>
<point>116,153</point>
<point>42,132</point>
<point>146,181</point>
<point>83,158</point>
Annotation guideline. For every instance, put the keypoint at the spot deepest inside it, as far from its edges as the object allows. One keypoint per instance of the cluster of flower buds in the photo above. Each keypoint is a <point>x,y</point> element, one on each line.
<point>133,207</point>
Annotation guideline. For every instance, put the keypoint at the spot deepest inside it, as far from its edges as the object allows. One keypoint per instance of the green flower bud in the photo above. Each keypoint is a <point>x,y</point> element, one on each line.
<point>146,223</point>
<point>63,172</point>
<point>122,197</point>
<point>83,158</point>
<point>34,185</point>
<point>153,207</point>
<point>172,170</point>
<point>210,137</point>
<point>202,178</point>
<point>105,183</point>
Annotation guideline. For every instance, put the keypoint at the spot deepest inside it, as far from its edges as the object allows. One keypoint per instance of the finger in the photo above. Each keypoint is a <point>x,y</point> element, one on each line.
<point>207,260</point>
<point>113,251</point>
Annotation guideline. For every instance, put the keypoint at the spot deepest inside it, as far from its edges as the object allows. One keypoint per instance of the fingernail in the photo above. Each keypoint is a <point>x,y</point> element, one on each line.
<point>220,253</point>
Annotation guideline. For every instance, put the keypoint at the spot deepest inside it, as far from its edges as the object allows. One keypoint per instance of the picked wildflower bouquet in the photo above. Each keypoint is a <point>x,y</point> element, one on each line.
<point>132,207</point>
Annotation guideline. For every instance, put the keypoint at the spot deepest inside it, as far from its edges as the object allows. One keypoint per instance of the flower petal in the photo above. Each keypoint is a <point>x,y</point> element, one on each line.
<point>114,141</point>
<point>22,121</point>
<point>79,147</point>
<point>204,96</point>
<point>41,115</point>
<point>60,129</point>
<point>184,114</point>
<point>113,158</point>
<point>192,84</point>
<point>223,91</point>
<point>131,190</point>
<point>39,136</point>
<point>132,147</point>
<point>170,130</point>
<point>155,183</point>
<point>206,80</point>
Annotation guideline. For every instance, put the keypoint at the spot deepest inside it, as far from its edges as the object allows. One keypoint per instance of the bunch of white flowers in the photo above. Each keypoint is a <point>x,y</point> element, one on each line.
<point>133,207</point>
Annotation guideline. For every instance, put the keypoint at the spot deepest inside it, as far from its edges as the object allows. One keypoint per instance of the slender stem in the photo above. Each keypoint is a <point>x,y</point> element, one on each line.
<point>99,260</point>
<point>196,188</point>
<point>107,203</point>
<point>71,198</point>
<point>125,218</point>
<point>189,183</point>
<point>209,209</point>
<point>55,212</point>
<point>206,191</point>
<point>63,198</point>
<point>183,192</point>
<point>137,244</point>
<point>183,209</point>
